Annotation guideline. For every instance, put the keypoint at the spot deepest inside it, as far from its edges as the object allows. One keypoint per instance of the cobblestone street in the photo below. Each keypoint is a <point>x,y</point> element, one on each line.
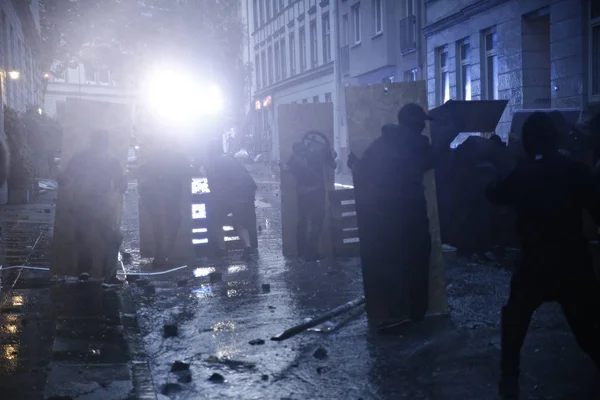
<point>455,358</point>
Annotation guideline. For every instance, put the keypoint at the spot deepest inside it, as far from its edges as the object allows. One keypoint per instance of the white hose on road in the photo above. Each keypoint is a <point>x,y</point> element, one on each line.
<point>118,273</point>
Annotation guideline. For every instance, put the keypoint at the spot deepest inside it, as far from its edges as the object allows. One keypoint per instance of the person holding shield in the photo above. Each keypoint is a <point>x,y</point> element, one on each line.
<point>310,159</point>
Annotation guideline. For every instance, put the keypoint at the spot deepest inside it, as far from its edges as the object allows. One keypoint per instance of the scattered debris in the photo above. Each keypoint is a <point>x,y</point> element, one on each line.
<point>215,277</point>
<point>140,281</point>
<point>170,330</point>
<point>260,228</point>
<point>256,342</point>
<point>149,290</point>
<point>266,287</point>
<point>320,354</point>
<point>182,282</point>
<point>59,398</point>
<point>132,278</point>
<point>170,388</point>
<point>233,364</point>
<point>320,370</point>
<point>265,377</point>
<point>216,378</point>
<point>272,307</point>
<point>179,366</point>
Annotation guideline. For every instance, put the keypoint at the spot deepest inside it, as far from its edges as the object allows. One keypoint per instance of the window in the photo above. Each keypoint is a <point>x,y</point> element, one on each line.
<point>328,98</point>
<point>378,16</point>
<point>490,64</point>
<point>443,92</point>
<point>315,99</point>
<point>410,8</point>
<point>302,44</point>
<point>268,9</point>
<point>410,75</point>
<point>104,76</point>
<point>283,57</point>
<point>314,52</point>
<point>255,13</point>
<point>595,49</point>
<point>326,39</point>
<point>304,101</point>
<point>263,67</point>
<point>276,59</point>
<point>292,54</point>
<point>344,36</point>
<point>463,70</point>
<point>90,74</point>
<point>261,11</point>
<point>356,22</point>
<point>270,64</point>
<point>257,70</point>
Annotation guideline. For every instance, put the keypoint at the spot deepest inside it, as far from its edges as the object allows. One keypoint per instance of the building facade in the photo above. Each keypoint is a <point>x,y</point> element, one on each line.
<point>292,53</point>
<point>535,53</point>
<point>21,76</point>
<point>83,82</point>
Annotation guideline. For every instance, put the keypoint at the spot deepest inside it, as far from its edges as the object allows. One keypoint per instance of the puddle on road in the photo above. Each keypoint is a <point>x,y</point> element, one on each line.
<point>236,268</point>
<point>203,291</point>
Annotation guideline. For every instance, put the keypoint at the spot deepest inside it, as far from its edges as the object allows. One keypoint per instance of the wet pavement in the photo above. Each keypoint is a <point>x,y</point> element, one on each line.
<point>207,315</point>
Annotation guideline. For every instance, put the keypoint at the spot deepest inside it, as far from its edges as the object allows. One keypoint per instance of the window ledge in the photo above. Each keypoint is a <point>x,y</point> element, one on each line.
<point>377,35</point>
<point>356,45</point>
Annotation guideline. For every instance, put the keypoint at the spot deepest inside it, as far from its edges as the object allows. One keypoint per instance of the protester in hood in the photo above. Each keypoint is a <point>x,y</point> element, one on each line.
<point>233,191</point>
<point>548,192</point>
<point>394,222</point>
<point>308,166</point>
<point>164,176</point>
<point>96,180</point>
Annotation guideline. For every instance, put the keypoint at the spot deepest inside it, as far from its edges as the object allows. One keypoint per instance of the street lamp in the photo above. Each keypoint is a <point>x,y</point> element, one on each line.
<point>14,74</point>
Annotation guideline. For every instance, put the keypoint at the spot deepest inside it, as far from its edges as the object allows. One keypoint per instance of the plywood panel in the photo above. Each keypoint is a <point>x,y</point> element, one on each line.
<point>82,117</point>
<point>368,109</point>
<point>294,121</point>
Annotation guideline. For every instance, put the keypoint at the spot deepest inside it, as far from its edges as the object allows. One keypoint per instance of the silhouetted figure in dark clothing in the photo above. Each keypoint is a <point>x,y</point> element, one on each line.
<point>96,180</point>
<point>233,192</point>
<point>308,166</point>
<point>394,225</point>
<point>549,193</point>
<point>163,177</point>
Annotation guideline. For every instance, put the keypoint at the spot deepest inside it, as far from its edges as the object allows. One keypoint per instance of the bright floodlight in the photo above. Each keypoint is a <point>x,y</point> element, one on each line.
<point>180,98</point>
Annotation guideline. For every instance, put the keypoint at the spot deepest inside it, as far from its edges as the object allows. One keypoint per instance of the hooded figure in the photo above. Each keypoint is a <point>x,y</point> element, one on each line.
<point>548,192</point>
<point>392,216</point>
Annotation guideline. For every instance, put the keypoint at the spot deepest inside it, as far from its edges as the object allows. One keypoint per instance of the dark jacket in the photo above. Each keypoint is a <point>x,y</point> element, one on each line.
<point>549,196</point>
<point>308,169</point>
<point>393,167</point>
<point>228,179</point>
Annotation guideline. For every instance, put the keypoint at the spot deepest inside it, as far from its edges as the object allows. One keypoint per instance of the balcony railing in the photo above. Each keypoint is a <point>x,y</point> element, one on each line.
<point>408,34</point>
<point>345,59</point>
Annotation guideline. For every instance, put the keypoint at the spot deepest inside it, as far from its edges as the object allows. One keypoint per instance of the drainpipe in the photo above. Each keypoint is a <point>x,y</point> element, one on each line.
<point>339,104</point>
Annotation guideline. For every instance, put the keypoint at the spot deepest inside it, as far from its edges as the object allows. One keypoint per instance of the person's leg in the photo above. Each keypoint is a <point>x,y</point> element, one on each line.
<point>172,225</point>
<point>581,305</point>
<point>302,224</point>
<point>525,297</point>
<point>419,250</point>
<point>316,219</point>
<point>156,213</point>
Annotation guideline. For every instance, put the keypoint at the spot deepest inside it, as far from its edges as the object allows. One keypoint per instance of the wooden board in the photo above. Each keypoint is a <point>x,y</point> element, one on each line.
<point>368,109</point>
<point>82,117</point>
<point>294,120</point>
